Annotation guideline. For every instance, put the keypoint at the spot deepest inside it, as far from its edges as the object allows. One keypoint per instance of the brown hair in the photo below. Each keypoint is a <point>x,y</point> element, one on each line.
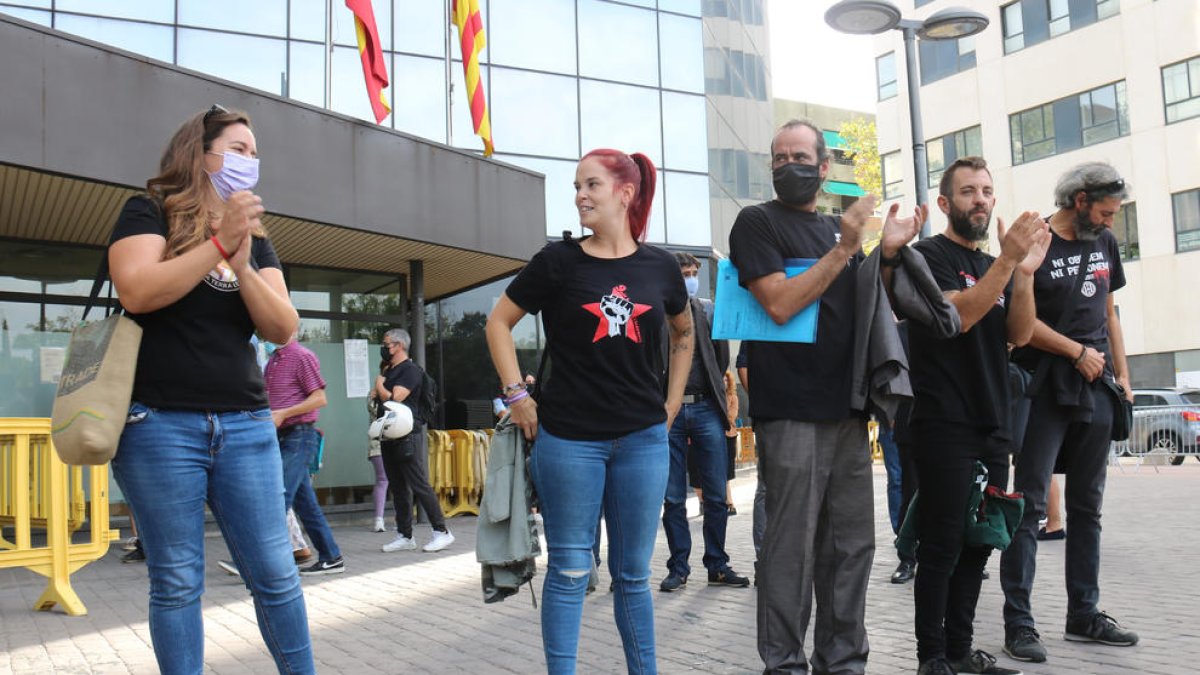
<point>969,162</point>
<point>181,182</point>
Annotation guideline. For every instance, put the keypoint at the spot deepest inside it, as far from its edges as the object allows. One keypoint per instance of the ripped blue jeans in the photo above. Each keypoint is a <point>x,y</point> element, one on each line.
<point>628,475</point>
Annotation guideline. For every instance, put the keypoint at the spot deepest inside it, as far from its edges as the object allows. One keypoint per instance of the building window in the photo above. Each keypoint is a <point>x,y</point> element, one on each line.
<point>885,75</point>
<point>1126,231</point>
<point>943,58</point>
<point>1028,22</point>
<point>1187,220</point>
<point>1069,123</point>
<point>1181,90</point>
<point>893,176</point>
<point>941,152</point>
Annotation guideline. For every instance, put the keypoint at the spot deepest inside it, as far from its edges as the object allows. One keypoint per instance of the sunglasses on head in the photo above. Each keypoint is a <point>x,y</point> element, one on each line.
<point>217,109</point>
<point>1116,186</point>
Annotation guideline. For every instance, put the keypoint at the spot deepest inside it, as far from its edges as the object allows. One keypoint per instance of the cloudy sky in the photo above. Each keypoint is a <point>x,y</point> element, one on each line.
<point>811,62</point>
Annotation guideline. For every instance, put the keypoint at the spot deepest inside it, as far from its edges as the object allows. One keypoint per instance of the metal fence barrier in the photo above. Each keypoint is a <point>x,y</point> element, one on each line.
<point>1162,434</point>
<point>38,493</point>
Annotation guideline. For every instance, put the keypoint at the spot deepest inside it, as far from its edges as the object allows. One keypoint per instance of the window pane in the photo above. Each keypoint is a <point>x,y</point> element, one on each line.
<point>253,61</point>
<point>35,338</point>
<point>622,117</point>
<point>157,42</point>
<point>308,20</point>
<point>1175,83</point>
<point>1187,220</point>
<point>1107,8</point>
<point>885,75</point>
<point>306,73</point>
<point>142,10</point>
<point>1125,229</point>
<point>685,144</point>
<point>421,109</point>
<point>1184,110</point>
<point>460,110</point>
<point>689,7</point>
<point>608,25</point>
<point>535,114</point>
<point>1013,28</point>
<point>681,53</point>
<point>268,17</point>
<point>974,143</point>
<point>560,192</point>
<point>686,198</point>
<point>1014,133</point>
<point>420,27</point>
<point>536,34</point>
<point>31,15</point>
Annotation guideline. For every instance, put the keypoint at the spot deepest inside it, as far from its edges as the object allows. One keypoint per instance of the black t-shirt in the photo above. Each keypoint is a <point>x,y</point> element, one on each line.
<point>796,381</point>
<point>406,374</point>
<point>196,352</point>
<point>963,379</point>
<point>1056,277</point>
<point>604,321</point>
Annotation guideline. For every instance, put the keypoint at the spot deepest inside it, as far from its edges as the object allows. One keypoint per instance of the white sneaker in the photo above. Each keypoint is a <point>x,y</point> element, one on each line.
<point>400,543</point>
<point>379,526</point>
<point>438,541</point>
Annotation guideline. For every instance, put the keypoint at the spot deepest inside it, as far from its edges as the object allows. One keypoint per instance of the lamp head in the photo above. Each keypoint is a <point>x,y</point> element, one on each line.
<point>863,17</point>
<point>952,23</point>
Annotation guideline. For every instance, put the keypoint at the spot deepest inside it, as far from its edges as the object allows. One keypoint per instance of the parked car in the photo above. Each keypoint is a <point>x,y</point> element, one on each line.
<point>1166,421</point>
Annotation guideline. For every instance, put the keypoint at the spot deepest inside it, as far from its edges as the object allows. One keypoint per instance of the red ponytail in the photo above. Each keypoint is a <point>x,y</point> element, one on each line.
<point>636,170</point>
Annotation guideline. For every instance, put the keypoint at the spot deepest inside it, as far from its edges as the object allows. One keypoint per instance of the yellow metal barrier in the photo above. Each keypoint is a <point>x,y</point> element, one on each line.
<point>746,453</point>
<point>457,467</point>
<point>873,439</point>
<point>38,491</point>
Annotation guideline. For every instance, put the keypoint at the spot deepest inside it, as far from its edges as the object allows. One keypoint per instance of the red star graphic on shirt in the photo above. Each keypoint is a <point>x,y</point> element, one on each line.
<point>618,315</point>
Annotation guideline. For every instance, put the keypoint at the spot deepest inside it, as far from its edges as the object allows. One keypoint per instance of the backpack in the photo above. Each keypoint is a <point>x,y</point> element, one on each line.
<point>427,402</point>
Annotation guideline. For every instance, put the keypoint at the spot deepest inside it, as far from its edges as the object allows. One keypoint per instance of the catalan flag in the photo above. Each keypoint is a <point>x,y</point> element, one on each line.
<point>465,15</point>
<point>374,67</point>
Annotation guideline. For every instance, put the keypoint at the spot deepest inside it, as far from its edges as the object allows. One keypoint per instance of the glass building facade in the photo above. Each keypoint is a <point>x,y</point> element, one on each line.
<point>684,81</point>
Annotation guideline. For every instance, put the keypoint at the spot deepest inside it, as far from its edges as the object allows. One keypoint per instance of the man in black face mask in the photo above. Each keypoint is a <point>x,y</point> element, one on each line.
<point>820,534</point>
<point>1071,412</point>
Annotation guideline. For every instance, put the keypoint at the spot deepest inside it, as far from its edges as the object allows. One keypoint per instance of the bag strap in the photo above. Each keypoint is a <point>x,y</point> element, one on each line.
<point>1043,366</point>
<point>97,284</point>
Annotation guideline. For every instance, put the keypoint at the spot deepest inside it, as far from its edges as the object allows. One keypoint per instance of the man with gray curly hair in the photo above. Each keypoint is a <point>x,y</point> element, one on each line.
<point>1077,342</point>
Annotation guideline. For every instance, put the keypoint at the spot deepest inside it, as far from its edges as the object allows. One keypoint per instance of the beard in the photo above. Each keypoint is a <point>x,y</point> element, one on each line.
<point>964,226</point>
<point>1085,229</point>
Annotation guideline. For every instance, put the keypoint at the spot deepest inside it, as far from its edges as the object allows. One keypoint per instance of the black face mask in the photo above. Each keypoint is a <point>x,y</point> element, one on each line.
<point>385,353</point>
<point>797,183</point>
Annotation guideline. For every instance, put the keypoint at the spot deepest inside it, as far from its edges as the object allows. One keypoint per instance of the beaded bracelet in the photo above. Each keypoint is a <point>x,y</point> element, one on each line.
<point>508,401</point>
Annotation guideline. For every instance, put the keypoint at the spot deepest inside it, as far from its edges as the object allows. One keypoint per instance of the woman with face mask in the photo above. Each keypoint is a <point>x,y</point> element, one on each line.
<point>192,265</point>
<point>602,419</point>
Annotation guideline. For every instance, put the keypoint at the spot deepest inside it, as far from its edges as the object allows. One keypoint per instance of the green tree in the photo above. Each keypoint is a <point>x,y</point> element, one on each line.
<point>863,146</point>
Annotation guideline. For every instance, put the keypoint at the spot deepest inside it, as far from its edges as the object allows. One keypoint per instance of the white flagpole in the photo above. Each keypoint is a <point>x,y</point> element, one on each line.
<point>449,82</point>
<point>328,54</point>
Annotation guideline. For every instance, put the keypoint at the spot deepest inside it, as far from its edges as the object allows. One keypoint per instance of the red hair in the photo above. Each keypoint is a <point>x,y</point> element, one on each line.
<point>636,170</point>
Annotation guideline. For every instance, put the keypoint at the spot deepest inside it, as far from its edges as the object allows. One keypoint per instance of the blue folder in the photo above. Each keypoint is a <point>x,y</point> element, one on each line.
<point>738,316</point>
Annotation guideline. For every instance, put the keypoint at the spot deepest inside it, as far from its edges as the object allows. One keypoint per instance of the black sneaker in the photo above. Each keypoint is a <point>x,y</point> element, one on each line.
<point>672,583</point>
<point>134,556</point>
<point>937,666</point>
<point>1024,644</point>
<point>335,566</point>
<point>727,577</point>
<point>1101,628</point>
<point>980,661</point>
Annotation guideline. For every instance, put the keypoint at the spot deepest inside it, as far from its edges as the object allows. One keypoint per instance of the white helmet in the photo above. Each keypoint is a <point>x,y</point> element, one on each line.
<point>397,422</point>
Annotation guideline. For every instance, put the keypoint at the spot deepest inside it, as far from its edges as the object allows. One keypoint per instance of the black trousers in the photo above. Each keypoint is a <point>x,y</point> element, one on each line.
<point>949,573</point>
<point>408,479</point>
<point>908,486</point>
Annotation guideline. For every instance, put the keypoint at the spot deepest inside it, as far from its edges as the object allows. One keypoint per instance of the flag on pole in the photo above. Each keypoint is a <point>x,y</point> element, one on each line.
<point>465,15</point>
<point>369,48</point>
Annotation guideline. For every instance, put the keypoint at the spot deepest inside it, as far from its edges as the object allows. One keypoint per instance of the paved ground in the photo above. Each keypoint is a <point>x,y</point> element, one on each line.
<point>421,613</point>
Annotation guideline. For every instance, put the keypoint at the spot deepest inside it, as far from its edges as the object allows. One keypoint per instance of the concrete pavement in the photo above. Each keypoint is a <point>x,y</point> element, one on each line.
<point>416,612</point>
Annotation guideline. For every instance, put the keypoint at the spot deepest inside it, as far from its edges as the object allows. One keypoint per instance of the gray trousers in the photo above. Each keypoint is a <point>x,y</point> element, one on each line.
<point>1086,447</point>
<point>819,542</point>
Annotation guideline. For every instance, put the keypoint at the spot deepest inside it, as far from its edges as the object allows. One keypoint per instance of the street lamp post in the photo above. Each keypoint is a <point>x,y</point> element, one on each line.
<point>869,17</point>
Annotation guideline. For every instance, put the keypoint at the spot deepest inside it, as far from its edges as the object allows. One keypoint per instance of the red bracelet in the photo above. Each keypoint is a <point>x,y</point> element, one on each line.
<point>217,242</point>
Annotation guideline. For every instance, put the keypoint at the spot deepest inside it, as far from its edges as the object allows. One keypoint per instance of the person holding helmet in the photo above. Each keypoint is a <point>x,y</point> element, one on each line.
<point>399,389</point>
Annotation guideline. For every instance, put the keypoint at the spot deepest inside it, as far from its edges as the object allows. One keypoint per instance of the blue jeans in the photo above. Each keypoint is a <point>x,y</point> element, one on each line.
<point>628,476</point>
<point>701,423</point>
<point>297,446</point>
<point>169,464</point>
<point>891,463</point>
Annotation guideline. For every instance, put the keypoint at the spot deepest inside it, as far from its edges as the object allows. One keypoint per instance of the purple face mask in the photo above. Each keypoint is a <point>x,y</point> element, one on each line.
<point>237,173</point>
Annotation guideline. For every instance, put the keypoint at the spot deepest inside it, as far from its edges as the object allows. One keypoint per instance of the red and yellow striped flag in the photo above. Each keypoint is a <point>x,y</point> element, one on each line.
<point>465,15</point>
<point>369,48</point>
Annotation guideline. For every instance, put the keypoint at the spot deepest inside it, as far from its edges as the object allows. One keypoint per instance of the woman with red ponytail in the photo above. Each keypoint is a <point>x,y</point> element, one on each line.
<point>600,422</point>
